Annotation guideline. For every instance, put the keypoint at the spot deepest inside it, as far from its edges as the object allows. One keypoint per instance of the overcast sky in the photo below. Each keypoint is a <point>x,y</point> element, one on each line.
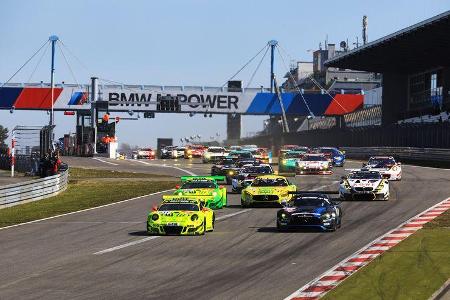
<point>180,43</point>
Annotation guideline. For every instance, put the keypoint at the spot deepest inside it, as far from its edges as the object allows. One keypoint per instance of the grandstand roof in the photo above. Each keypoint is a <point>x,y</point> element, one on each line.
<point>415,48</point>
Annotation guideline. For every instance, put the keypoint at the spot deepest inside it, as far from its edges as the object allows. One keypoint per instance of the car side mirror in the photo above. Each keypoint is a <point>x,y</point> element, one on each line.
<point>155,208</point>
<point>177,186</point>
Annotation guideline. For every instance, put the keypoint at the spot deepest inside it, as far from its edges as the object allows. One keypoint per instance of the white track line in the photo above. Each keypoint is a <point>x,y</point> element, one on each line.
<point>106,162</point>
<point>167,166</point>
<point>155,237</point>
<point>87,209</point>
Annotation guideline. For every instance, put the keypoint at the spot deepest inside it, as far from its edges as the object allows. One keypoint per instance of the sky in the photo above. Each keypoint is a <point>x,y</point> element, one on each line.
<point>180,42</point>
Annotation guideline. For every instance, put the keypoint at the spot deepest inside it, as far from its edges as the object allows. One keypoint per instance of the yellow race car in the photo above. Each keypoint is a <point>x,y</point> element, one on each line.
<point>267,190</point>
<point>180,215</point>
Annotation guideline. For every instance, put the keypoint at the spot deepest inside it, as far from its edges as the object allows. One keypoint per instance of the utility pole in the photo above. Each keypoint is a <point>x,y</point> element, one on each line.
<point>52,39</point>
<point>94,96</point>
<point>272,44</point>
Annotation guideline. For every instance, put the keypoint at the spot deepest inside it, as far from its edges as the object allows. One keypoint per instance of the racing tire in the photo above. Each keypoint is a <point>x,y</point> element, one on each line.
<point>243,205</point>
<point>204,227</point>
<point>334,227</point>
<point>281,228</point>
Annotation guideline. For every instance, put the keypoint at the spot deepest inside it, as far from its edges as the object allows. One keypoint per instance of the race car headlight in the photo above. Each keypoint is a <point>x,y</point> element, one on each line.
<point>326,216</point>
<point>338,158</point>
<point>283,216</point>
<point>214,194</point>
<point>284,161</point>
<point>194,217</point>
<point>207,155</point>
<point>180,193</point>
<point>231,172</point>
<point>155,217</point>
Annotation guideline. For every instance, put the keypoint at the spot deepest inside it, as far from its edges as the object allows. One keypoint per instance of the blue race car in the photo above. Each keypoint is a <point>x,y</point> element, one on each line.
<point>336,157</point>
<point>310,210</point>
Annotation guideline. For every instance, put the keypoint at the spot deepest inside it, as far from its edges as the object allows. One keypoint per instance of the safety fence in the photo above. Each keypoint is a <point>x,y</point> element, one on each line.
<point>401,153</point>
<point>33,190</point>
<point>427,135</point>
<point>28,164</point>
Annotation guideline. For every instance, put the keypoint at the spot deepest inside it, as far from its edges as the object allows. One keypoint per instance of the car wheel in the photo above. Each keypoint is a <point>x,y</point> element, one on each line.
<point>334,227</point>
<point>213,222</point>
<point>204,227</point>
<point>243,204</point>
<point>280,227</point>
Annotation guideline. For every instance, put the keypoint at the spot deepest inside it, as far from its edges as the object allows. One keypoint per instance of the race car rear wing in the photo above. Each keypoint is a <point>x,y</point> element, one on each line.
<point>212,178</point>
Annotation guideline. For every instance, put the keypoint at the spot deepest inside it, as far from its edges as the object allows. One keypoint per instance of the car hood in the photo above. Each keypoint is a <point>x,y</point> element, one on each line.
<point>364,182</point>
<point>306,210</point>
<point>266,190</point>
<point>195,192</point>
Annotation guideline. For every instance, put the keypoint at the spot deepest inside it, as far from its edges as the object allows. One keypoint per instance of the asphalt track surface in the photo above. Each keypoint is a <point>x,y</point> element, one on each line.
<point>105,253</point>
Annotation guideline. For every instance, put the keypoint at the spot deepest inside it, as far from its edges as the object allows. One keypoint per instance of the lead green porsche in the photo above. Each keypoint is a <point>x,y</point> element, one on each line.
<point>178,215</point>
<point>204,188</point>
<point>267,190</point>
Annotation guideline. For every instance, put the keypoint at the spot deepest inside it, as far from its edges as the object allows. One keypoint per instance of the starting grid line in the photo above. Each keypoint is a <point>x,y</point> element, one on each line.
<point>327,281</point>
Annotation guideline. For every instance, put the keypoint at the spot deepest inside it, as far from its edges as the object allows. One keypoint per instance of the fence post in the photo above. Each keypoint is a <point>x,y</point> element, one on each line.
<point>13,159</point>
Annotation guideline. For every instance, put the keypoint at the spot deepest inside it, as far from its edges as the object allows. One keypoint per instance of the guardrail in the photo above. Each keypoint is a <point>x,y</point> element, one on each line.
<point>400,153</point>
<point>33,190</point>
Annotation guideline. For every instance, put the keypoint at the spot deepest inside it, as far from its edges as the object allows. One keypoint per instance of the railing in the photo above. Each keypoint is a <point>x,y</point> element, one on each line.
<point>400,153</point>
<point>33,190</point>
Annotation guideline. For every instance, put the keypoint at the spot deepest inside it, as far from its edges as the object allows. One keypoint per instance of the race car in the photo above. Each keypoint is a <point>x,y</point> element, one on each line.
<point>147,153</point>
<point>288,160</point>
<point>336,157</point>
<point>310,209</point>
<point>287,148</point>
<point>204,188</point>
<point>364,185</point>
<point>166,152</point>
<point>313,164</point>
<point>180,216</point>
<point>213,154</point>
<point>178,152</point>
<point>225,167</point>
<point>386,165</point>
<point>192,151</point>
<point>262,154</point>
<point>247,174</point>
<point>240,154</point>
<point>267,190</point>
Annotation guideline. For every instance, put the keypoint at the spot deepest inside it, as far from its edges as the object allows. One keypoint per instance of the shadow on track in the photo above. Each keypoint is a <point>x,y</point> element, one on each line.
<point>138,233</point>
<point>275,230</point>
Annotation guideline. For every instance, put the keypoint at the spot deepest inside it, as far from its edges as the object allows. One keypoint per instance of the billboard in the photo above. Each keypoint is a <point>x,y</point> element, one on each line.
<point>193,99</point>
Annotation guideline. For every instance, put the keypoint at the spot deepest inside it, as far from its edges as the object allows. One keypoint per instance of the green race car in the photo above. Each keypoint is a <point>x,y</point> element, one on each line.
<point>180,216</point>
<point>204,188</point>
<point>288,161</point>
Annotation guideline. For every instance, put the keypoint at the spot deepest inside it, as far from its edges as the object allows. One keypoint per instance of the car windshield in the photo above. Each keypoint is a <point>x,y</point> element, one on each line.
<point>314,158</point>
<point>269,182</point>
<point>365,175</point>
<point>215,150</point>
<point>309,201</point>
<point>381,162</point>
<point>179,206</point>
<point>258,170</point>
<point>294,155</point>
<point>198,184</point>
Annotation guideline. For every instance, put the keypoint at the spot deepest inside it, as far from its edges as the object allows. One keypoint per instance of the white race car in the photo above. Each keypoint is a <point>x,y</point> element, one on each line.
<point>247,174</point>
<point>214,154</point>
<point>313,164</point>
<point>364,185</point>
<point>386,165</point>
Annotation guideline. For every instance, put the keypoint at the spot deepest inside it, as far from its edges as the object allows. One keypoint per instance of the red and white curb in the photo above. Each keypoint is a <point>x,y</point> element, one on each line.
<point>331,278</point>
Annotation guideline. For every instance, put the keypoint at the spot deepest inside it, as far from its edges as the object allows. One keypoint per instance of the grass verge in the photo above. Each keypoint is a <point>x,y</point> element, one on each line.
<point>82,173</point>
<point>86,191</point>
<point>414,269</point>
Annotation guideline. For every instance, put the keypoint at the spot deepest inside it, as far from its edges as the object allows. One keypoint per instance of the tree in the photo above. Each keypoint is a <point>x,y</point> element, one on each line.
<point>3,136</point>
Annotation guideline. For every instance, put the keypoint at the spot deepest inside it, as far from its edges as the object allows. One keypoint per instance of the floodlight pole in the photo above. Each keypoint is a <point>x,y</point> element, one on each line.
<point>52,39</point>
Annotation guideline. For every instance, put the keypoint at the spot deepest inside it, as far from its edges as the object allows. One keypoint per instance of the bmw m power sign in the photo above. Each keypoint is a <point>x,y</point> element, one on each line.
<point>193,99</point>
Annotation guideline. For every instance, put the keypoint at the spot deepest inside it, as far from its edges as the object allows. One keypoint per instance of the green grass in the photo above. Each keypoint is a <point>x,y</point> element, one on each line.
<point>82,173</point>
<point>81,194</point>
<point>414,269</point>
